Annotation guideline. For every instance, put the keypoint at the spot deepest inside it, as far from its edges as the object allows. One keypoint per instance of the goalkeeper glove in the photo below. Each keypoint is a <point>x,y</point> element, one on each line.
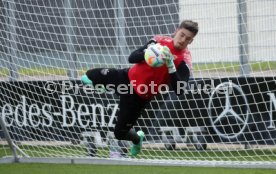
<point>168,58</point>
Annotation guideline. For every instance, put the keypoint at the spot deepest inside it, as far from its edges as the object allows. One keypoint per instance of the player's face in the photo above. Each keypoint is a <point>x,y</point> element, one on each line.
<point>182,38</point>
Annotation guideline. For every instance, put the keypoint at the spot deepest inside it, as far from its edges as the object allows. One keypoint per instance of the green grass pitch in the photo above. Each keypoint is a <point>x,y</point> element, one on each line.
<point>121,169</point>
<point>34,168</point>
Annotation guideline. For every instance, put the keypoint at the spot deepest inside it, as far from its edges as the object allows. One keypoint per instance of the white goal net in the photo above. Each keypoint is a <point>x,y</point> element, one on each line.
<point>226,117</point>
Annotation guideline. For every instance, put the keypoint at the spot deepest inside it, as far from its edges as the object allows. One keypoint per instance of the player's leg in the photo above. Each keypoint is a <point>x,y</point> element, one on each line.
<point>130,108</point>
<point>102,76</point>
<point>105,76</point>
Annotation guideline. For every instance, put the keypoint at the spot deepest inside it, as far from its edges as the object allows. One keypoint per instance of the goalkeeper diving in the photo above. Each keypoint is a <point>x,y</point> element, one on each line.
<point>176,68</point>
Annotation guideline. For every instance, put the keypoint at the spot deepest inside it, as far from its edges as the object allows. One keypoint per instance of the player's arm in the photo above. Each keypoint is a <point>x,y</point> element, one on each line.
<point>137,56</point>
<point>182,73</point>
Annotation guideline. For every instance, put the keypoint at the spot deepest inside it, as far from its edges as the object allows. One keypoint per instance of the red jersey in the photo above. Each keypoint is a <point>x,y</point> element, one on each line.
<point>146,80</point>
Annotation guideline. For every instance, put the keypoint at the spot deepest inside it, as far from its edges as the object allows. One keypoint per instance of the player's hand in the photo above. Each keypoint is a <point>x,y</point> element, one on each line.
<point>168,58</point>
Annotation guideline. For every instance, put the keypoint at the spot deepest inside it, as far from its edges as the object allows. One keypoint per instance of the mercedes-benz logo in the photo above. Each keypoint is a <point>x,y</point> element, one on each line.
<point>228,110</point>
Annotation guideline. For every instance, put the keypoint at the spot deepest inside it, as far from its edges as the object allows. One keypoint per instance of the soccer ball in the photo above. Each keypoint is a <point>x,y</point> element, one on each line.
<point>154,56</point>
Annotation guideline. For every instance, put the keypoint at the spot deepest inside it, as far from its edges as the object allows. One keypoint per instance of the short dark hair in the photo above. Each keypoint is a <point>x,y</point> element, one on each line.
<point>189,25</point>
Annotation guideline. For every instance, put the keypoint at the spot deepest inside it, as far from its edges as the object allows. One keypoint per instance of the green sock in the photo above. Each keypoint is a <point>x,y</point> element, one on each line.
<point>85,80</point>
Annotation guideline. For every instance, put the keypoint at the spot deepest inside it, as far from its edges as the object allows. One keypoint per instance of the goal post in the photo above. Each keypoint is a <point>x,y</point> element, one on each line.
<point>225,118</point>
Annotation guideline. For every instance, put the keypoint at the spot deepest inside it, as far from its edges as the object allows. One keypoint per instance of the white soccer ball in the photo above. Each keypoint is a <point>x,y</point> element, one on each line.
<point>154,55</point>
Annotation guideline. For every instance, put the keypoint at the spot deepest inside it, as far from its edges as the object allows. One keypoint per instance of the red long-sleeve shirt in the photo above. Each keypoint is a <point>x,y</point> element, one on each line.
<point>147,80</point>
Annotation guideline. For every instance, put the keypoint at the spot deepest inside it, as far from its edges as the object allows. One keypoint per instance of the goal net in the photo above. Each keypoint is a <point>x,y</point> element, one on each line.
<point>225,117</point>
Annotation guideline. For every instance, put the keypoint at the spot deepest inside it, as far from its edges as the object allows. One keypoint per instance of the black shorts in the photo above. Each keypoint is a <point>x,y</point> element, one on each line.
<point>130,104</point>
